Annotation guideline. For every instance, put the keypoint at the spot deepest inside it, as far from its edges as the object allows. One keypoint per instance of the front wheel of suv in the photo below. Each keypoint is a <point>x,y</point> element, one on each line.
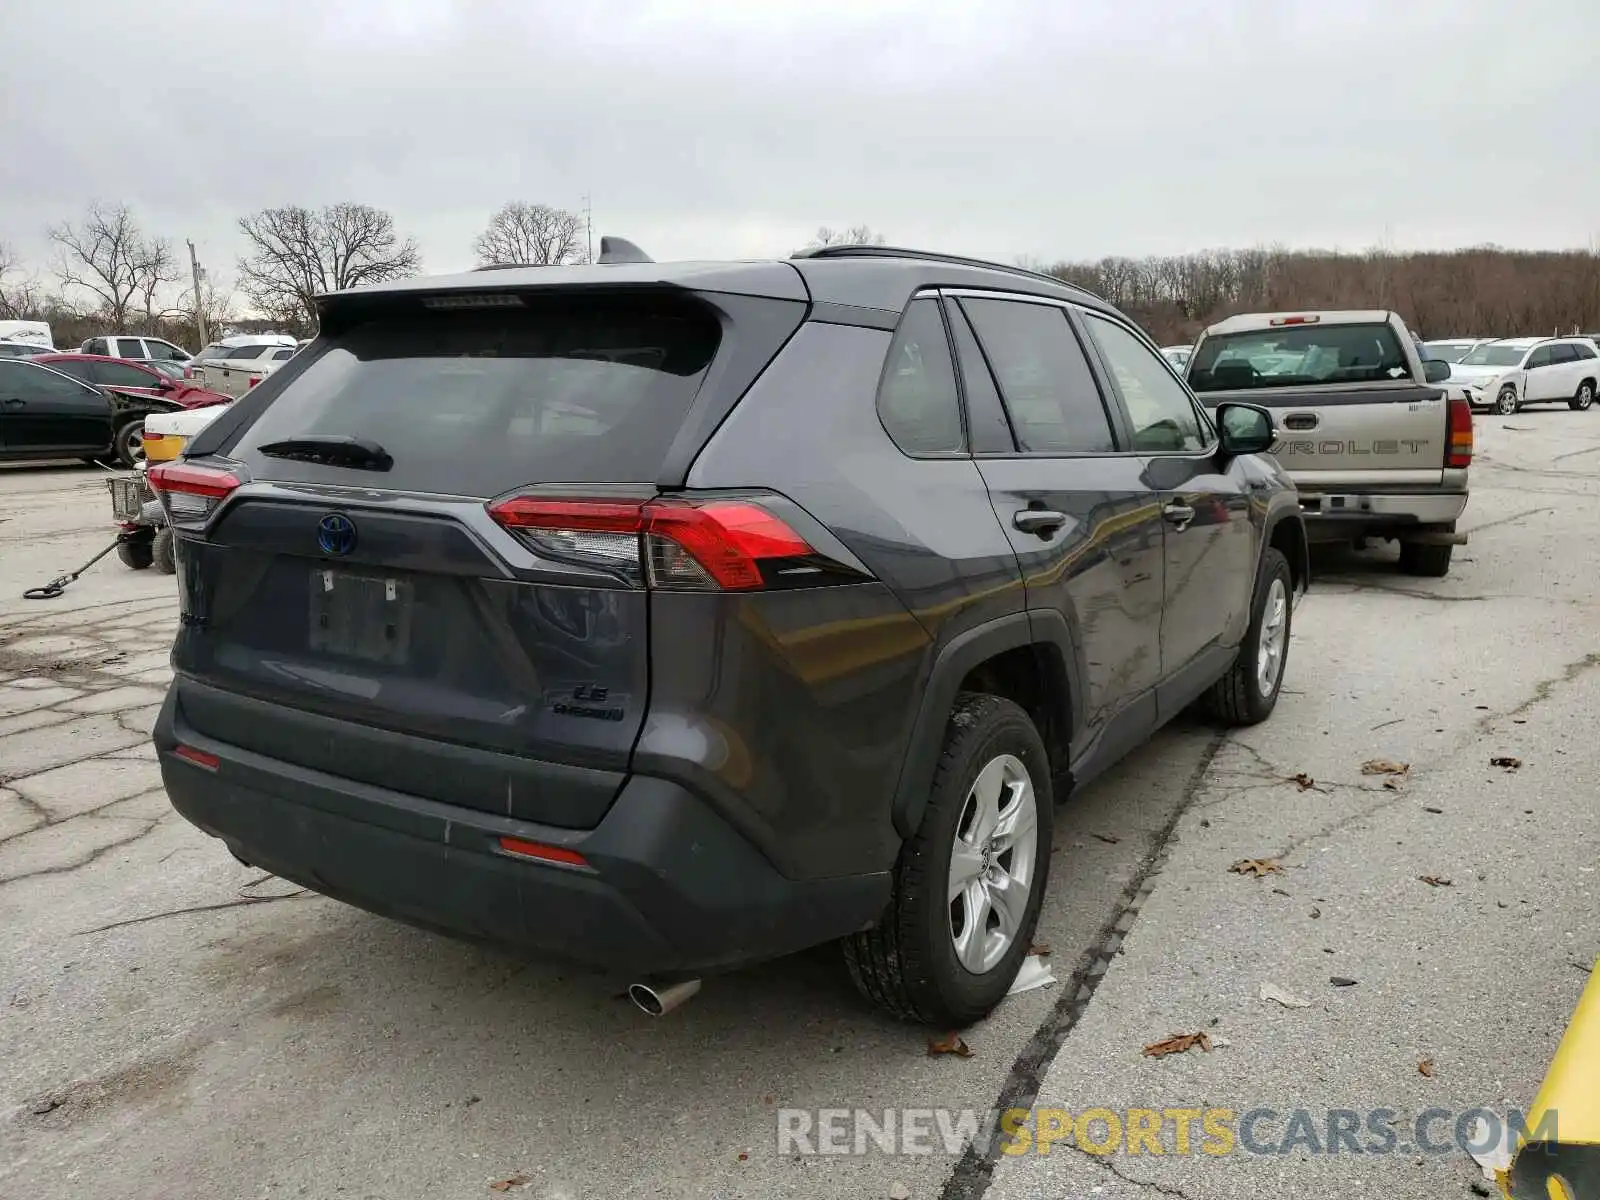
<point>969,883</point>
<point>1506,402</point>
<point>1248,693</point>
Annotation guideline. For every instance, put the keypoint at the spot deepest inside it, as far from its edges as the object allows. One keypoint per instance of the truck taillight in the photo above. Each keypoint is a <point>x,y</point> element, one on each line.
<point>1458,452</point>
<point>188,492</point>
<point>729,545</point>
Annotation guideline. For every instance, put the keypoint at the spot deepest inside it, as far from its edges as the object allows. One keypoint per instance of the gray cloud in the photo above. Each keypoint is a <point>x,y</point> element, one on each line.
<point>716,129</point>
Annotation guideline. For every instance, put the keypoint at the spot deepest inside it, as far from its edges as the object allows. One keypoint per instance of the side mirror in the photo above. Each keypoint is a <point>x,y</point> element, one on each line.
<point>1435,370</point>
<point>1245,429</point>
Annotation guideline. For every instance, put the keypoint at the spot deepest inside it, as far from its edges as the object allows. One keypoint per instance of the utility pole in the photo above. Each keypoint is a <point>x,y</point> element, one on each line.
<point>199,309</point>
<point>588,224</point>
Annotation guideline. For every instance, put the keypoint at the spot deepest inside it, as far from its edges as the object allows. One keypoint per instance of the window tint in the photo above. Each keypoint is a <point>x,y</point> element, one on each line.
<point>1564,353</point>
<point>1049,391</point>
<point>1539,358</point>
<point>1491,354</point>
<point>33,380</point>
<point>1296,355</point>
<point>129,348</point>
<point>283,354</point>
<point>95,346</point>
<point>122,375</point>
<point>17,350</point>
<point>988,430</point>
<point>917,399</point>
<point>246,353</point>
<point>1163,415</point>
<point>165,351</point>
<point>1584,351</point>
<point>590,389</point>
<point>77,368</point>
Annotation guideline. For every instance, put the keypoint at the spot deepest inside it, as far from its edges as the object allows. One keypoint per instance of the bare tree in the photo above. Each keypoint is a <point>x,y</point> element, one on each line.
<point>19,298</point>
<point>108,256</point>
<point>297,253</point>
<point>155,268</point>
<point>533,235</point>
<point>215,304</point>
<point>856,235</point>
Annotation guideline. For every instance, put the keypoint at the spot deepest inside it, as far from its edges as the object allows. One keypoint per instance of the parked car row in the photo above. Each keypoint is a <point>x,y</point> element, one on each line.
<point>1505,374</point>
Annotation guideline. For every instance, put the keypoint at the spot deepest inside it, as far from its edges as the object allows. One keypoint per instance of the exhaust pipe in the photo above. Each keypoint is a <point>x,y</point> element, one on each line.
<point>658,999</point>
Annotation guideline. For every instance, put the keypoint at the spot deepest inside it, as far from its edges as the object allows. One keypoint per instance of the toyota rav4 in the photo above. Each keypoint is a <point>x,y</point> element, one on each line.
<point>672,617</point>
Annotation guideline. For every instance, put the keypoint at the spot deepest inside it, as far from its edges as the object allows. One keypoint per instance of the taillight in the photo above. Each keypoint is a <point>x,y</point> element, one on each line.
<point>188,492</point>
<point>254,379</point>
<point>1459,432</point>
<point>701,545</point>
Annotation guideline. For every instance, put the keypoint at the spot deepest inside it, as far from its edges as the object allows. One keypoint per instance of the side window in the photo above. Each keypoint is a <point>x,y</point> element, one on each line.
<point>165,351</point>
<point>1583,351</point>
<point>47,385</point>
<point>122,375</point>
<point>244,353</point>
<point>1049,391</point>
<point>1539,358</point>
<point>77,368</point>
<point>130,348</point>
<point>1564,353</point>
<point>95,346</point>
<point>1163,415</point>
<point>986,417</point>
<point>917,399</point>
<point>283,354</point>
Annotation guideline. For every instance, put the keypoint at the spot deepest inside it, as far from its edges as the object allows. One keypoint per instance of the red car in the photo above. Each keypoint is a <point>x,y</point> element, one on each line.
<point>126,375</point>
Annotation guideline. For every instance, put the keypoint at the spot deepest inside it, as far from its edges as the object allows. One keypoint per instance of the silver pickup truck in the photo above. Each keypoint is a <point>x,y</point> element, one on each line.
<point>1377,447</point>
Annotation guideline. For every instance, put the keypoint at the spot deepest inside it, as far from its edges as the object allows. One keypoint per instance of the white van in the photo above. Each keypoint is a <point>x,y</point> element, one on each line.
<point>35,333</point>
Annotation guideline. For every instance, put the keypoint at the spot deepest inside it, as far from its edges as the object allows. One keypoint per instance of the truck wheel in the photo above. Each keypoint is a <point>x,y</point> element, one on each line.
<point>1248,693</point>
<point>1430,561</point>
<point>969,883</point>
<point>1506,402</point>
<point>128,444</point>
<point>161,552</point>
<point>136,554</point>
<point>1584,398</point>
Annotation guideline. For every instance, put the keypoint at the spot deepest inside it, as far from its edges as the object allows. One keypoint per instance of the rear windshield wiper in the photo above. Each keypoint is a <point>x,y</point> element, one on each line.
<point>332,450</point>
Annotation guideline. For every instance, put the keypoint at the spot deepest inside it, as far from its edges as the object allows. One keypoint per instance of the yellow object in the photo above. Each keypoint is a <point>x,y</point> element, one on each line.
<point>1567,1165</point>
<point>159,447</point>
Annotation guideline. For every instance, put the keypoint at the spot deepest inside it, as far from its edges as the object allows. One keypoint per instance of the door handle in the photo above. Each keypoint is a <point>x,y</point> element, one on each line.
<point>1178,515</point>
<point>1042,521</point>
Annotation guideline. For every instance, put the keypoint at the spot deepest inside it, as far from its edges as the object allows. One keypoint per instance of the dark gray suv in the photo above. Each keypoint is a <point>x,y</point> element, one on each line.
<point>671,617</point>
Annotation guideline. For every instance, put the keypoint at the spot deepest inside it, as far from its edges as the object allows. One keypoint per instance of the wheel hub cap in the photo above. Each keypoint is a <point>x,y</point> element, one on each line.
<point>1274,636</point>
<point>993,863</point>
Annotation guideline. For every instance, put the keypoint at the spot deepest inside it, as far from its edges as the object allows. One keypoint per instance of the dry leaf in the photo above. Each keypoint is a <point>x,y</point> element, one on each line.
<point>1271,991</point>
<point>1305,781</point>
<point>950,1043</point>
<point>1042,949</point>
<point>1177,1044</point>
<point>1432,810</point>
<point>1425,1067</point>
<point>1316,913</point>
<point>1506,761</point>
<point>1106,838</point>
<point>1279,892</point>
<point>1435,880</point>
<point>1341,981</point>
<point>1391,785</point>
<point>505,1185</point>
<point>1257,867</point>
<point>1382,766</point>
<point>744,1156</point>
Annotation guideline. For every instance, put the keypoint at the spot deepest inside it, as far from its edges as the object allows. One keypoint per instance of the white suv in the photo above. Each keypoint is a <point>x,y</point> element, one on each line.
<point>1506,374</point>
<point>235,365</point>
<point>125,345</point>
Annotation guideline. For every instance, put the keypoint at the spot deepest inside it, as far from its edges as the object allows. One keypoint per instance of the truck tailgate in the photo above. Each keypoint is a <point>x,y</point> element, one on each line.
<point>1344,435</point>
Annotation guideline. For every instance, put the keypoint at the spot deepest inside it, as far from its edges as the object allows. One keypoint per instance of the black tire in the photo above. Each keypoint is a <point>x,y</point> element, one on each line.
<point>1584,398</point>
<point>137,554</point>
<point>1506,402</point>
<point>1432,562</point>
<point>907,965</point>
<point>162,552</point>
<point>127,445</point>
<point>1237,698</point>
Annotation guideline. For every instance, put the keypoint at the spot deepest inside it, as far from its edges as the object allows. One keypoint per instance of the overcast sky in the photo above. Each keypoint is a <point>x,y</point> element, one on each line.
<point>1050,128</point>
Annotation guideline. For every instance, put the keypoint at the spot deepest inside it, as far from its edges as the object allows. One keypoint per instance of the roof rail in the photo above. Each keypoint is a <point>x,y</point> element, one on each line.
<point>934,256</point>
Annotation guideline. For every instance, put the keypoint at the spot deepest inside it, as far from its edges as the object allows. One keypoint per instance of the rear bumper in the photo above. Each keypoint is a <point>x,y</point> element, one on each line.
<point>1334,511</point>
<point>670,887</point>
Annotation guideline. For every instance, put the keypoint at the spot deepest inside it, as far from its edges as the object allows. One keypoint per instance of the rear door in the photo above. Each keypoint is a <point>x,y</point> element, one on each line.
<point>1348,408</point>
<point>1539,375</point>
<point>364,614</point>
<point>1085,525</point>
<point>1566,369</point>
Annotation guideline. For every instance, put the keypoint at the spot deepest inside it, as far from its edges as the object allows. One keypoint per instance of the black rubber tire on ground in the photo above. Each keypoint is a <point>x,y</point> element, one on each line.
<point>1583,399</point>
<point>1506,402</point>
<point>907,965</point>
<point>127,444</point>
<point>1432,562</point>
<point>1236,698</point>
<point>137,554</point>
<point>162,553</point>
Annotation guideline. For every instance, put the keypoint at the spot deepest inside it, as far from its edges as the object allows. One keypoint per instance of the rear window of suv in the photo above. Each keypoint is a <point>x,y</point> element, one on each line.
<point>1298,356</point>
<point>476,402</point>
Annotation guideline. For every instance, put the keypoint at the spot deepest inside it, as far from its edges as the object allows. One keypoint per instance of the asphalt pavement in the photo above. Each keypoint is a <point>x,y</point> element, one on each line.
<point>178,1024</point>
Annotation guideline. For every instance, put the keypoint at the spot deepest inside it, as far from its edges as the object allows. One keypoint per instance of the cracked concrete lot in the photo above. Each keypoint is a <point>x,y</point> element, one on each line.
<point>176,1024</point>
